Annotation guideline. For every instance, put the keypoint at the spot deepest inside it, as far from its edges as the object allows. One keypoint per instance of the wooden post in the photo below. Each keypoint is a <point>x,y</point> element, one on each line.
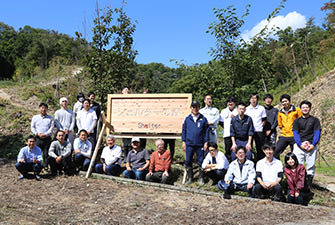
<point>95,153</point>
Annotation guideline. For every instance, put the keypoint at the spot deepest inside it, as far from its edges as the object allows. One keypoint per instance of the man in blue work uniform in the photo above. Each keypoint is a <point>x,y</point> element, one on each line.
<point>195,138</point>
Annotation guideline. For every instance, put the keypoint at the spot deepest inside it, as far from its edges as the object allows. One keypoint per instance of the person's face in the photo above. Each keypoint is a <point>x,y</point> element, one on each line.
<point>43,110</point>
<point>83,136</point>
<point>160,147</point>
<point>64,104</point>
<point>86,105</point>
<point>110,142</point>
<point>135,145</point>
<point>195,110</point>
<point>240,154</point>
<point>31,143</point>
<point>60,137</point>
<point>231,105</point>
<point>208,100</point>
<point>91,97</point>
<point>291,162</point>
<point>285,103</point>
<point>241,110</point>
<point>268,101</point>
<point>125,91</point>
<point>212,151</point>
<point>253,100</point>
<point>305,109</point>
<point>268,152</point>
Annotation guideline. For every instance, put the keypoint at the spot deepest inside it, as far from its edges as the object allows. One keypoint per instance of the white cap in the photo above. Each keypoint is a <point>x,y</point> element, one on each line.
<point>62,99</point>
<point>135,139</point>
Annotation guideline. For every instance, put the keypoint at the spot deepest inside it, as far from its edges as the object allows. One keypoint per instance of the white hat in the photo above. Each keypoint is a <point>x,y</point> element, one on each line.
<point>62,99</point>
<point>135,139</point>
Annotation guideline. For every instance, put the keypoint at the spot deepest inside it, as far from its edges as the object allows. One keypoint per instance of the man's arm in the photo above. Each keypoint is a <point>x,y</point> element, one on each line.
<point>33,125</point>
<point>72,121</point>
<point>52,150</point>
<point>51,127</point>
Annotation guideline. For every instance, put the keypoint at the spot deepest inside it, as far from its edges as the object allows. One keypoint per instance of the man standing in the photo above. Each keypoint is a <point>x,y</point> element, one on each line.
<point>195,138</point>
<point>42,126</point>
<point>286,117</point>
<point>225,117</point>
<point>271,120</point>
<point>240,175</point>
<point>60,155</point>
<point>110,158</point>
<point>87,120</point>
<point>137,161</point>
<point>212,115</point>
<point>29,159</point>
<point>160,164</point>
<point>215,163</point>
<point>64,120</point>
<point>258,116</point>
<point>241,132</point>
<point>269,173</point>
<point>307,131</point>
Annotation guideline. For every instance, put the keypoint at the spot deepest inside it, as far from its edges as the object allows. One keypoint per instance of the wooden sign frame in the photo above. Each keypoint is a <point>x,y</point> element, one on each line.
<point>156,110</point>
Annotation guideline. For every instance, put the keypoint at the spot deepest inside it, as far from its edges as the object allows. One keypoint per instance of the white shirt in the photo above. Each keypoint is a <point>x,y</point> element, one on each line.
<point>211,114</point>
<point>221,161</point>
<point>269,170</point>
<point>84,147</point>
<point>86,120</point>
<point>195,117</point>
<point>257,114</point>
<point>225,117</point>
<point>110,155</point>
<point>42,124</point>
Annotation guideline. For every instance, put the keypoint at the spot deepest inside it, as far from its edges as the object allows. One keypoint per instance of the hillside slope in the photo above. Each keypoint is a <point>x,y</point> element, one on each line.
<point>321,93</point>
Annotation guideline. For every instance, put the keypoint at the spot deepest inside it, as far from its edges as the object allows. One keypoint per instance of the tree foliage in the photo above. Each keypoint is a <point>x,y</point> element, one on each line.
<point>111,60</point>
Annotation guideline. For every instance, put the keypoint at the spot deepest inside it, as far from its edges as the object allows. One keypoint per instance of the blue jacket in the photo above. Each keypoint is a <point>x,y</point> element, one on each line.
<point>195,133</point>
<point>241,129</point>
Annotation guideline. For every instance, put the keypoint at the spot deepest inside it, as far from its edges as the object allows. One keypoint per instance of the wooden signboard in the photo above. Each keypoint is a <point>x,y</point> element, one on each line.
<point>148,113</point>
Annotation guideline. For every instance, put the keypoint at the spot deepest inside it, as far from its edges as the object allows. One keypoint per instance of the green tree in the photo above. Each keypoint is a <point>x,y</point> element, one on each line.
<point>111,60</point>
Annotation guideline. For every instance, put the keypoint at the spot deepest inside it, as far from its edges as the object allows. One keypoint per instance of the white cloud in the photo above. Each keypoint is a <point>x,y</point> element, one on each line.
<point>293,19</point>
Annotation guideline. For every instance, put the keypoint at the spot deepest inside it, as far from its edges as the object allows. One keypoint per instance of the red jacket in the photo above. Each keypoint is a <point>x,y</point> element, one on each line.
<point>160,163</point>
<point>297,179</point>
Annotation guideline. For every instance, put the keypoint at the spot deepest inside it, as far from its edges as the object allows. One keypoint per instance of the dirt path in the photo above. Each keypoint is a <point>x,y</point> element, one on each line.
<point>74,200</point>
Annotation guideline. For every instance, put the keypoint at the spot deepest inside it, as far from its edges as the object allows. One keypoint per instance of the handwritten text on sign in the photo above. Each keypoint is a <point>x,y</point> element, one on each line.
<point>149,113</point>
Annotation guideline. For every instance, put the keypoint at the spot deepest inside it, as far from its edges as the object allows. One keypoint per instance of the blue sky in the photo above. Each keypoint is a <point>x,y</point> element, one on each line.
<point>165,29</point>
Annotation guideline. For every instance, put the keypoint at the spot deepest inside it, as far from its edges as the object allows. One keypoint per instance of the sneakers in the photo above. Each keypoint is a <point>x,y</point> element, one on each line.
<point>20,177</point>
<point>37,177</point>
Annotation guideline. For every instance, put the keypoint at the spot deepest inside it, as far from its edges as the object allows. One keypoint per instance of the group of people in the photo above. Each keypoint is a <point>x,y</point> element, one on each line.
<point>244,125</point>
<point>63,152</point>
<point>231,171</point>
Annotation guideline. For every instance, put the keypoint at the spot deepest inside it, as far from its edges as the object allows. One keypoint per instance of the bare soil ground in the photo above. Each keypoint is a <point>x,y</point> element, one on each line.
<point>74,200</point>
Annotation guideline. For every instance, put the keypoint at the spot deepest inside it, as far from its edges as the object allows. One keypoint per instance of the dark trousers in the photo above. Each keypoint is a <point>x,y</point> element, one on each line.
<point>282,144</point>
<point>260,192</point>
<point>227,145</point>
<point>92,139</point>
<point>302,199</point>
<point>216,175</point>
<point>172,144</point>
<point>259,141</point>
<point>24,168</point>
<point>244,144</point>
<point>65,165</point>
<point>44,145</point>
<point>126,146</point>
<point>81,161</point>
<point>232,187</point>
<point>189,155</point>
<point>112,170</point>
<point>271,139</point>
<point>157,177</point>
